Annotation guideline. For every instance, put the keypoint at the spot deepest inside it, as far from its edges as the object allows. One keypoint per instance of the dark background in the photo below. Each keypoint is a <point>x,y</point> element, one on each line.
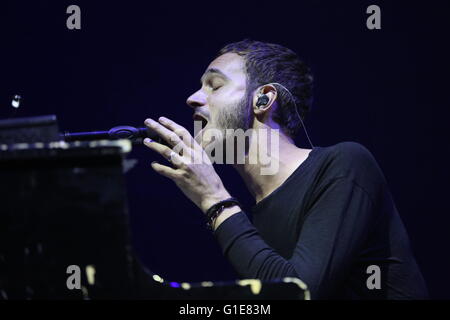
<point>383,88</point>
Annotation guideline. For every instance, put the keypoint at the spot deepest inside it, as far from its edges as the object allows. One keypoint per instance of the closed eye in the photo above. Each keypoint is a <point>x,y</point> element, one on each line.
<point>215,83</point>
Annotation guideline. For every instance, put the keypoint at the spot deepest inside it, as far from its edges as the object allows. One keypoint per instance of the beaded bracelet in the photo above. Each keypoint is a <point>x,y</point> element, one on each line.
<point>217,209</point>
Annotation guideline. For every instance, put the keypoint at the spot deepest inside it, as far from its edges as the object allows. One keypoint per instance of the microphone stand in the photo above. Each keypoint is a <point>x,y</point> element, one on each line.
<point>136,135</point>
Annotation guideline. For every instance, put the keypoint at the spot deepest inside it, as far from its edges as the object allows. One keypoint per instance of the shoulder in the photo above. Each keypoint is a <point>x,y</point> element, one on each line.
<point>350,160</point>
<point>351,154</point>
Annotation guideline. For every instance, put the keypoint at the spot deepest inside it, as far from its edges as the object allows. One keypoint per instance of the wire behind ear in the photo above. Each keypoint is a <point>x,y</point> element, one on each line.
<point>296,110</point>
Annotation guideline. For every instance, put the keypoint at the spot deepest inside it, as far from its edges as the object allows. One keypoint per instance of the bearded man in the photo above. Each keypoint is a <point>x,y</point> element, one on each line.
<point>326,216</point>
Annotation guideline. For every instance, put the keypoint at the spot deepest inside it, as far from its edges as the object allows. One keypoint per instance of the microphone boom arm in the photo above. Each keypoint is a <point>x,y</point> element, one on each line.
<point>119,132</point>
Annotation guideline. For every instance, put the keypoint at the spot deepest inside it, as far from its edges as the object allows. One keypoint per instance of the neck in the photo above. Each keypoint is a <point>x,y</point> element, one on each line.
<point>288,157</point>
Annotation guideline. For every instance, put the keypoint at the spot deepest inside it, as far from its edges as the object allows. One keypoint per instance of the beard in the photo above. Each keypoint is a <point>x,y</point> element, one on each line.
<point>237,116</point>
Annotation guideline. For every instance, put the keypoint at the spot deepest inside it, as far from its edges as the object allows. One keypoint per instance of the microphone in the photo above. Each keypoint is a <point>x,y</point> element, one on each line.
<point>136,135</point>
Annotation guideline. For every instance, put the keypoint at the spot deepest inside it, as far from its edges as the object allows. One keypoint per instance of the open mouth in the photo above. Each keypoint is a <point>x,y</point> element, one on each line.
<point>199,117</point>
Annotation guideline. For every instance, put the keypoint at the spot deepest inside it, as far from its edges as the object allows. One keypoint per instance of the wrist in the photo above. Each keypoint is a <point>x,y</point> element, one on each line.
<point>219,209</point>
<point>212,200</point>
<point>227,212</point>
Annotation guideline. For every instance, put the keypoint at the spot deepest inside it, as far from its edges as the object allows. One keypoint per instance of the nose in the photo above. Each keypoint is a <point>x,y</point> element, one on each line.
<point>197,99</point>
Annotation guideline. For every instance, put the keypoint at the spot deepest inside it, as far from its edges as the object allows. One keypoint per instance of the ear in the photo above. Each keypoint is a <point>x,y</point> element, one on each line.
<point>271,92</point>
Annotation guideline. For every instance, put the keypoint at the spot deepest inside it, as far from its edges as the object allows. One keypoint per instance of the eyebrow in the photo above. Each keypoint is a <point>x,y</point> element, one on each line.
<point>213,71</point>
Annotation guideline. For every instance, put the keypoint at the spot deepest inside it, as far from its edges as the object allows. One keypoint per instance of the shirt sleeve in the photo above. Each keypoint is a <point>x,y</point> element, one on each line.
<point>334,230</point>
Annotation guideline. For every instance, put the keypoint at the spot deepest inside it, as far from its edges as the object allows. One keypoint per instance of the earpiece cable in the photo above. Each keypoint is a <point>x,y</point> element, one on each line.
<point>296,110</point>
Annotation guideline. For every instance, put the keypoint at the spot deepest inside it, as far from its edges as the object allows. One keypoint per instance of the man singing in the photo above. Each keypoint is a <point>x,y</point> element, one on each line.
<point>325,216</point>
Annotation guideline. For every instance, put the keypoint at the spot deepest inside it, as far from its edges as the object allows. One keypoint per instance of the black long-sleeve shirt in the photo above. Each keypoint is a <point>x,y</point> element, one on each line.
<point>326,224</point>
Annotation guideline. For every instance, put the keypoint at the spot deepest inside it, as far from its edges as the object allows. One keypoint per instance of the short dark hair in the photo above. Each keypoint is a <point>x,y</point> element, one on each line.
<point>267,63</point>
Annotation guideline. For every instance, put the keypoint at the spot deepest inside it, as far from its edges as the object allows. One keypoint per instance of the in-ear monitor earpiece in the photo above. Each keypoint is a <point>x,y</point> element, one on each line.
<point>263,100</point>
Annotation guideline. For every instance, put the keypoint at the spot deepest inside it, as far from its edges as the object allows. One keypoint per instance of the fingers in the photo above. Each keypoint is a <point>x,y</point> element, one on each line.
<point>165,170</point>
<point>168,135</point>
<point>171,155</point>
<point>180,131</point>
